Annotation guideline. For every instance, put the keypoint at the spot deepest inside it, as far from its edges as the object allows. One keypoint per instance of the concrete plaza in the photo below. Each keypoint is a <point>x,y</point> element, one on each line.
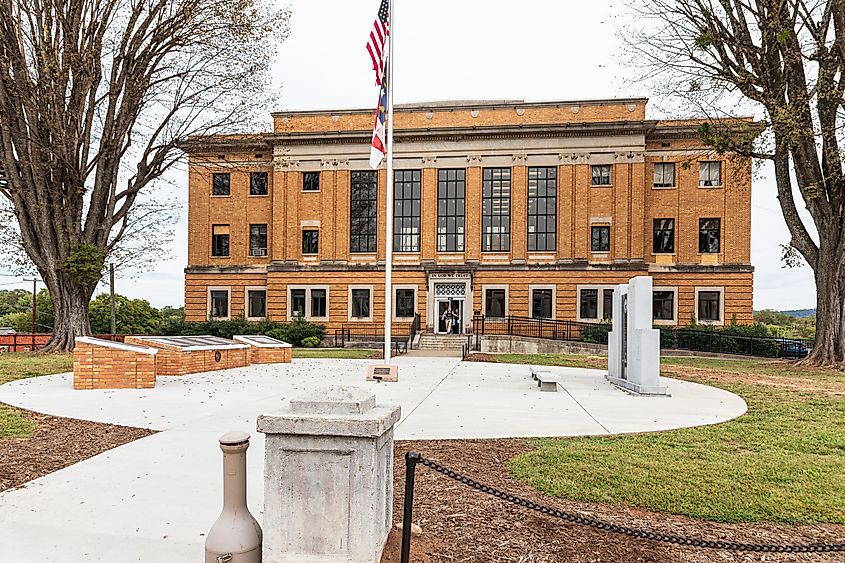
<point>155,498</point>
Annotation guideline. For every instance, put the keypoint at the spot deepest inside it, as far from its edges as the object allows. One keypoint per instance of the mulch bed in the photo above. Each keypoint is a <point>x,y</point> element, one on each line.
<point>460,524</point>
<point>57,443</point>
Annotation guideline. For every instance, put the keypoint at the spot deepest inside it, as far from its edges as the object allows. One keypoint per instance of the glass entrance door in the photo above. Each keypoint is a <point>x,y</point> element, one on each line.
<point>450,316</point>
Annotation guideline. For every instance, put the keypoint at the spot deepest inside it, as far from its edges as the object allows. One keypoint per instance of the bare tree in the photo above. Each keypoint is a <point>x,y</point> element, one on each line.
<point>92,88</point>
<point>786,57</point>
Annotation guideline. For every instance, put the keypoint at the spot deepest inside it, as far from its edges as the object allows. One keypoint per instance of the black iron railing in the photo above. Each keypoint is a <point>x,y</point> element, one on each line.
<point>690,339</point>
<point>356,332</point>
<point>541,328</point>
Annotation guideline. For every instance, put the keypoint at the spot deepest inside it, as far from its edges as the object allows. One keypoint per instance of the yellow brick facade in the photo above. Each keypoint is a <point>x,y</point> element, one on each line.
<point>568,137</point>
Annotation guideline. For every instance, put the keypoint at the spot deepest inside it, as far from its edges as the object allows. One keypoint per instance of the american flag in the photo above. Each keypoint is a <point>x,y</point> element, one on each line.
<point>378,148</point>
<point>377,45</point>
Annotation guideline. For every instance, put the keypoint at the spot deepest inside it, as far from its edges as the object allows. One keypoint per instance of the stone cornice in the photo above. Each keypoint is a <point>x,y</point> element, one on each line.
<point>580,265</point>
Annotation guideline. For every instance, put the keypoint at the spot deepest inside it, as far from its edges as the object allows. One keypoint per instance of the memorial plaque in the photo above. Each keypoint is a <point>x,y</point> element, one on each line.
<point>383,372</point>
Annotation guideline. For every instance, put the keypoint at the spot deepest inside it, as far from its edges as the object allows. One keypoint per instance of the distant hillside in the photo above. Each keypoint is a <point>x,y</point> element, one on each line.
<point>800,313</point>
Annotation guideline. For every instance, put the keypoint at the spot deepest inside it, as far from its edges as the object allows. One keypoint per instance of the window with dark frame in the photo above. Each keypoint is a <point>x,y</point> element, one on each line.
<point>495,302</point>
<point>297,302</point>
<point>664,175</point>
<point>407,187</point>
<point>541,303</point>
<point>588,304</point>
<point>496,210</point>
<point>405,305</point>
<point>256,303</point>
<point>310,181</point>
<point>220,183</point>
<point>318,302</point>
<point>607,304</point>
<point>709,308</point>
<point>310,241</point>
<point>600,238</point>
<point>710,173</point>
<point>709,236</point>
<point>361,303</point>
<point>451,209</point>
<point>663,305</point>
<point>363,211</point>
<point>258,183</point>
<point>219,304</point>
<point>220,240</point>
<point>258,240</point>
<point>542,208</point>
<point>601,174</point>
<point>664,236</point>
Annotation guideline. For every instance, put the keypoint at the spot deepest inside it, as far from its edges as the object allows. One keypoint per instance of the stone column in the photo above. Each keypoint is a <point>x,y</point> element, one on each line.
<point>328,477</point>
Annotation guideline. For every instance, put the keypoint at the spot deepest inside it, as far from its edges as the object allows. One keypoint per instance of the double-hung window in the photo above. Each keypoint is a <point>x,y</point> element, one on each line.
<point>258,183</point>
<point>219,305</point>
<point>709,236</point>
<point>310,241</point>
<point>258,240</point>
<point>541,303</point>
<point>405,303</point>
<point>361,301</point>
<point>220,240</point>
<point>664,236</point>
<point>601,174</point>
<point>220,184</point>
<point>256,303</point>
<point>710,174</point>
<point>600,238</point>
<point>664,175</point>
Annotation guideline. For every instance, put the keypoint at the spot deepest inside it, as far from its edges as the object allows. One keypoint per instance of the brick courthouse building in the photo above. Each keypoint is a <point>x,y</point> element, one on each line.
<point>501,208</point>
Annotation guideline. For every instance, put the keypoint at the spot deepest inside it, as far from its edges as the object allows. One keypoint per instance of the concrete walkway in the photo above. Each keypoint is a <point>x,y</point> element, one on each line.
<point>154,499</point>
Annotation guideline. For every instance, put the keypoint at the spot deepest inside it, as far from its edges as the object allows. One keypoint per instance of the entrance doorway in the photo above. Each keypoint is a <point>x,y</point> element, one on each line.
<point>450,316</point>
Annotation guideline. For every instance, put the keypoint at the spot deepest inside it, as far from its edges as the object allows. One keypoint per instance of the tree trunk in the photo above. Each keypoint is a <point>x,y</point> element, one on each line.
<point>829,348</point>
<point>70,311</point>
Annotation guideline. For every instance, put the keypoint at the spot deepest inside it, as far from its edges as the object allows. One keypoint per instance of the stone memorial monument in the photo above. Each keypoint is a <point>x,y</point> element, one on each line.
<point>328,477</point>
<point>633,351</point>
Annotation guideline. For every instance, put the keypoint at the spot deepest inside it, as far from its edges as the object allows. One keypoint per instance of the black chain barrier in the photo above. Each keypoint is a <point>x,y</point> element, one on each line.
<point>413,458</point>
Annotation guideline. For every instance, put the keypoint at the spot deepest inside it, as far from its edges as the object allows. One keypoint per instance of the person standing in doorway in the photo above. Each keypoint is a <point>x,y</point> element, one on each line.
<point>448,320</point>
<point>456,322</point>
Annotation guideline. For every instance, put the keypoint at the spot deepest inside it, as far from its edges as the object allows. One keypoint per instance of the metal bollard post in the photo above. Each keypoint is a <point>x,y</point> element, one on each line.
<point>236,536</point>
<point>411,459</point>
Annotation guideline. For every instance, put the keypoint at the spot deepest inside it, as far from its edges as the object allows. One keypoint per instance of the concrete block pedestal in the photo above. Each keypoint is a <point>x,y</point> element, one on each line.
<point>328,477</point>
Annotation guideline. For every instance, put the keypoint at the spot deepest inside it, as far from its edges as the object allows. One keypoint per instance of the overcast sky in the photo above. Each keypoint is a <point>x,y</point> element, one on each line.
<point>472,49</point>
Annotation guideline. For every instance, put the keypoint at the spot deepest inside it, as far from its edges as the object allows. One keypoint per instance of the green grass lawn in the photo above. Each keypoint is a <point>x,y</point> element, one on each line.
<point>14,366</point>
<point>336,353</point>
<point>783,461</point>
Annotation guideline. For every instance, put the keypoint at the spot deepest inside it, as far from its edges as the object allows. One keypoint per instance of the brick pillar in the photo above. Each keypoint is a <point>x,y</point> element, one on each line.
<point>519,212</point>
<point>472,229</point>
<point>565,211</point>
<point>428,227</point>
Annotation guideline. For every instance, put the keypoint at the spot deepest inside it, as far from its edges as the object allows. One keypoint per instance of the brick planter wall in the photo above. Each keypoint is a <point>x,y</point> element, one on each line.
<point>104,365</point>
<point>266,350</point>
<point>269,355</point>
<point>173,360</point>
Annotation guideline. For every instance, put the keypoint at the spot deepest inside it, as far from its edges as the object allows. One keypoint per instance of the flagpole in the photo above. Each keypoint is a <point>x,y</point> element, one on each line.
<point>388,216</point>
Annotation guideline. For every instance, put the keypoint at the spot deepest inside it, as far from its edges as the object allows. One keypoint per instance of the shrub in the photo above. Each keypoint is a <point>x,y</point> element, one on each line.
<point>311,342</point>
<point>596,334</point>
<point>299,329</point>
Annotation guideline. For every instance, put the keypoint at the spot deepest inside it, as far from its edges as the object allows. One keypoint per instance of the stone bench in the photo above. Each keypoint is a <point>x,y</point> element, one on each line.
<point>535,372</point>
<point>547,382</point>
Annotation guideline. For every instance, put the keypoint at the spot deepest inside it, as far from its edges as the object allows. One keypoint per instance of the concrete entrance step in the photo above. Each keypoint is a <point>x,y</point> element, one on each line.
<point>442,341</point>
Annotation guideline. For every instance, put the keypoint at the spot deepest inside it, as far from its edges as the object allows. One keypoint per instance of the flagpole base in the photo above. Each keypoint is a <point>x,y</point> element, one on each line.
<point>388,373</point>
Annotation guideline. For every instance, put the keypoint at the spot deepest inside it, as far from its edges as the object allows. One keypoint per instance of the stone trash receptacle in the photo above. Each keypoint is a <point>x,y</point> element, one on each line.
<point>328,477</point>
